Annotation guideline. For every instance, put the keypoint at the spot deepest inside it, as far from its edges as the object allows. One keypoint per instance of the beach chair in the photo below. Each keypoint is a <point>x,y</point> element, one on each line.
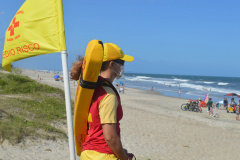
<point>232,109</point>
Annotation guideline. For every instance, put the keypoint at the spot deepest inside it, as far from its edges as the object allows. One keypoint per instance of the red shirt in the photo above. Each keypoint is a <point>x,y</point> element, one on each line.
<point>95,138</point>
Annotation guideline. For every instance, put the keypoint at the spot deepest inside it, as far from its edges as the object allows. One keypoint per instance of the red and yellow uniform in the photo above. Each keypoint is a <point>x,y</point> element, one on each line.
<point>106,108</point>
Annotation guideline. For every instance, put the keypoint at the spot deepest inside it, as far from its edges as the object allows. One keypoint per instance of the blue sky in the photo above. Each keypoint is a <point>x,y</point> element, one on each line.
<point>186,37</point>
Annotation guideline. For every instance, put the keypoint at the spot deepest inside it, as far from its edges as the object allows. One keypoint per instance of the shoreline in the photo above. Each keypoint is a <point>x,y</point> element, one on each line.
<point>153,127</point>
<point>34,76</point>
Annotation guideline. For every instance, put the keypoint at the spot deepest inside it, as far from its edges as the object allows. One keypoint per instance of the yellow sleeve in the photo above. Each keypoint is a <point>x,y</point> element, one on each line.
<point>108,109</point>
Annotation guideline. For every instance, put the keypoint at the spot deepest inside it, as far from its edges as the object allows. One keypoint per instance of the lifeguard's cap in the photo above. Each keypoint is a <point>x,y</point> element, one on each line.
<point>113,52</point>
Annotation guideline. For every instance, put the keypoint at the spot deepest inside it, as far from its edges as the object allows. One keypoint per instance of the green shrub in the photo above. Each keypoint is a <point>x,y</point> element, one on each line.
<point>27,107</point>
<point>16,84</point>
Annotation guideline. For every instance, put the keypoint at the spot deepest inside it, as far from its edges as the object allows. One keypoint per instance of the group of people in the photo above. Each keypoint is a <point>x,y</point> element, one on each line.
<point>199,103</point>
<point>233,106</point>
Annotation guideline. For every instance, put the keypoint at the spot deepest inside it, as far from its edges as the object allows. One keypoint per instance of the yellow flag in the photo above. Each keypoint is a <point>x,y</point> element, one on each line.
<point>37,28</point>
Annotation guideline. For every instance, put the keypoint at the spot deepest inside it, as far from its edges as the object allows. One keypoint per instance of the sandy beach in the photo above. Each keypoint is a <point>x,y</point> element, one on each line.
<point>153,127</point>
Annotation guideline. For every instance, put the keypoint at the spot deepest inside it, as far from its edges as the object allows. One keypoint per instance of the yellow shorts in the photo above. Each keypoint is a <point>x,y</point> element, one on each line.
<point>94,155</point>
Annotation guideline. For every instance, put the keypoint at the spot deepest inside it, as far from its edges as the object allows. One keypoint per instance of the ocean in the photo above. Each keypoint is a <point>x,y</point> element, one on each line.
<point>192,87</point>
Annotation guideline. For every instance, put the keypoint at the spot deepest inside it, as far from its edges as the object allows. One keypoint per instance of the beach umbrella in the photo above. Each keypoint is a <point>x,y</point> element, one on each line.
<point>232,94</point>
<point>120,82</point>
<point>56,76</point>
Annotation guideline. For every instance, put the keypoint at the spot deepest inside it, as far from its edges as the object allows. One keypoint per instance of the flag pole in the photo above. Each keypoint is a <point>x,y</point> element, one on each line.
<point>64,55</point>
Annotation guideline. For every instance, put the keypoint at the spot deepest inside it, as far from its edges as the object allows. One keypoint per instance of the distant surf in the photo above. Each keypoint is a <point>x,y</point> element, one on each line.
<point>191,86</point>
<point>222,84</point>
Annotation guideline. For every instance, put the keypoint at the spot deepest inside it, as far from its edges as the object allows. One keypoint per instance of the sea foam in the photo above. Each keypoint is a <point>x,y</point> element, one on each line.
<point>182,80</point>
<point>222,84</point>
<point>209,82</point>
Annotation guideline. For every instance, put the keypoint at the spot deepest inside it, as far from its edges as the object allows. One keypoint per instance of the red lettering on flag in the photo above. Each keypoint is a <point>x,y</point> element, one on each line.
<point>17,36</point>
<point>10,39</point>
<point>29,47</point>
<point>20,12</point>
<point>4,54</point>
<point>38,46</point>
<point>12,52</point>
<point>26,48</point>
<point>21,50</point>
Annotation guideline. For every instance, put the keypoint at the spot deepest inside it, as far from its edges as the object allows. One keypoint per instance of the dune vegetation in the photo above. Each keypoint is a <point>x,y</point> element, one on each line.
<point>29,109</point>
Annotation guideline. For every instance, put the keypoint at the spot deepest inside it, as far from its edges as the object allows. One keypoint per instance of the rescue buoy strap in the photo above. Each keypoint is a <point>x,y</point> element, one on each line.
<point>108,84</point>
<point>87,84</point>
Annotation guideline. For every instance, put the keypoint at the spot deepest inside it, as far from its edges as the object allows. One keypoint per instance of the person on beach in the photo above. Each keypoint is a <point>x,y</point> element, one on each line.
<point>190,106</point>
<point>210,106</point>
<point>121,89</point>
<point>199,104</point>
<point>190,101</point>
<point>233,104</point>
<point>117,85</point>
<point>179,92</point>
<point>103,141</point>
<point>225,102</point>
<point>237,111</point>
